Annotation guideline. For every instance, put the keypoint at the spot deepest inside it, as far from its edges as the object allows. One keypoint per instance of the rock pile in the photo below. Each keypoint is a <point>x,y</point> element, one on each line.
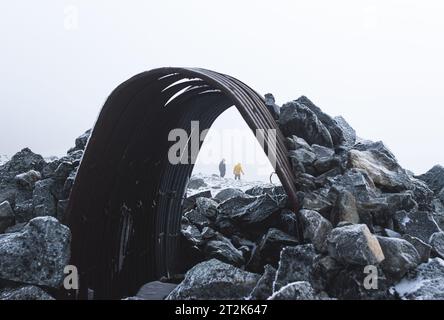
<point>34,243</point>
<point>359,211</point>
<point>365,228</point>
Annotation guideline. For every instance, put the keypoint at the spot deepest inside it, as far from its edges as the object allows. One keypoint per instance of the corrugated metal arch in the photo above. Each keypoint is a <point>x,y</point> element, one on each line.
<point>125,206</point>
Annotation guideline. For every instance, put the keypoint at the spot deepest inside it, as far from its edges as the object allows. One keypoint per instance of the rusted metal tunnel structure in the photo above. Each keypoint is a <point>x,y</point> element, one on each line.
<point>125,206</point>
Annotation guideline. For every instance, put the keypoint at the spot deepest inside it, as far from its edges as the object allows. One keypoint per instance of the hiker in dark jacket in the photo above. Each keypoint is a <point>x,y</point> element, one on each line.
<point>222,168</point>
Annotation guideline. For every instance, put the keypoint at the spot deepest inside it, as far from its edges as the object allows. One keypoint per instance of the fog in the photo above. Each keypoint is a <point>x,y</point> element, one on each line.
<point>377,63</point>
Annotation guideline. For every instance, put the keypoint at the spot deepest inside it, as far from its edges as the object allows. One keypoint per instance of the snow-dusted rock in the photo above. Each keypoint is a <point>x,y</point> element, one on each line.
<point>354,244</point>
<point>269,248</point>
<point>424,283</point>
<point>214,279</point>
<point>37,254</point>
<point>264,287</point>
<point>419,224</point>
<point>421,247</point>
<point>6,216</point>
<point>296,119</point>
<point>437,243</point>
<point>27,179</point>
<point>316,228</point>
<point>229,193</point>
<point>24,293</point>
<point>434,178</point>
<point>384,172</point>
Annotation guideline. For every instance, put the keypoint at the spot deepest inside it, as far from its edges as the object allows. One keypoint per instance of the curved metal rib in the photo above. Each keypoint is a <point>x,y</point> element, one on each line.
<point>125,206</point>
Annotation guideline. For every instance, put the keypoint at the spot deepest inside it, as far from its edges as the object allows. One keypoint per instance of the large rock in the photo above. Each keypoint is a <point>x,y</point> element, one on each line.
<point>221,248</point>
<point>296,264</point>
<point>349,283</point>
<point>197,218</point>
<point>332,126</point>
<point>347,131</point>
<point>24,293</point>
<point>318,202</point>
<point>345,209</point>
<point>296,119</point>
<point>383,170</point>
<point>294,143</point>
<point>424,283</point>
<point>302,160</point>
<point>37,254</point>
<point>400,257</point>
<point>272,106</point>
<point>253,216</point>
<point>214,279</point>
<point>190,232</point>
<point>27,180</point>
<point>230,193</point>
<point>316,228</point>
<point>437,243</point>
<point>269,248</point>
<point>196,183</point>
<point>300,290</point>
<point>418,224</point>
<point>23,161</point>
<point>264,287</point>
<point>354,244</point>
<point>434,178</point>
<point>207,207</point>
<point>6,216</point>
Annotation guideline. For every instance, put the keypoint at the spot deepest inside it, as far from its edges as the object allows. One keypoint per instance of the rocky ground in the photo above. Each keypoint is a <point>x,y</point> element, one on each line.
<point>34,243</point>
<point>369,228</point>
<point>360,211</point>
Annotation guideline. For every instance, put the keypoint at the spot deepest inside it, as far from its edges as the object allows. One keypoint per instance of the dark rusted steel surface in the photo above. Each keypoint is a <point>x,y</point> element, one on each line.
<point>125,205</point>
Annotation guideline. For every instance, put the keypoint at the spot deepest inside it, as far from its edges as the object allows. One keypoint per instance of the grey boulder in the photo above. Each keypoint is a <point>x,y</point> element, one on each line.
<point>24,293</point>
<point>296,264</point>
<point>6,216</point>
<point>421,247</point>
<point>400,257</point>
<point>296,119</point>
<point>437,243</point>
<point>300,290</point>
<point>419,224</point>
<point>264,287</point>
<point>212,280</point>
<point>27,180</point>
<point>424,283</point>
<point>37,254</point>
<point>354,244</point>
<point>269,248</point>
<point>434,178</point>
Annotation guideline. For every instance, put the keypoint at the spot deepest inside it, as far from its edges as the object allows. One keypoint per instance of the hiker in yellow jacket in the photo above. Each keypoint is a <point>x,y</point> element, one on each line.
<point>238,171</point>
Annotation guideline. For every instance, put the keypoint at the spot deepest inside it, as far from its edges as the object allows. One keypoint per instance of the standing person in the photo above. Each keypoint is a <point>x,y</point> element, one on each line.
<point>222,168</point>
<point>238,171</point>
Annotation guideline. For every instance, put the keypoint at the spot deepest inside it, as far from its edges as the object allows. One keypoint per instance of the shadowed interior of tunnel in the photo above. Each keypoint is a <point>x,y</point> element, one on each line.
<point>125,206</point>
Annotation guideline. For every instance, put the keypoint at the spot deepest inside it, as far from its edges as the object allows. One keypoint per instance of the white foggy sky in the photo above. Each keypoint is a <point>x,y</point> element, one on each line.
<point>377,63</point>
